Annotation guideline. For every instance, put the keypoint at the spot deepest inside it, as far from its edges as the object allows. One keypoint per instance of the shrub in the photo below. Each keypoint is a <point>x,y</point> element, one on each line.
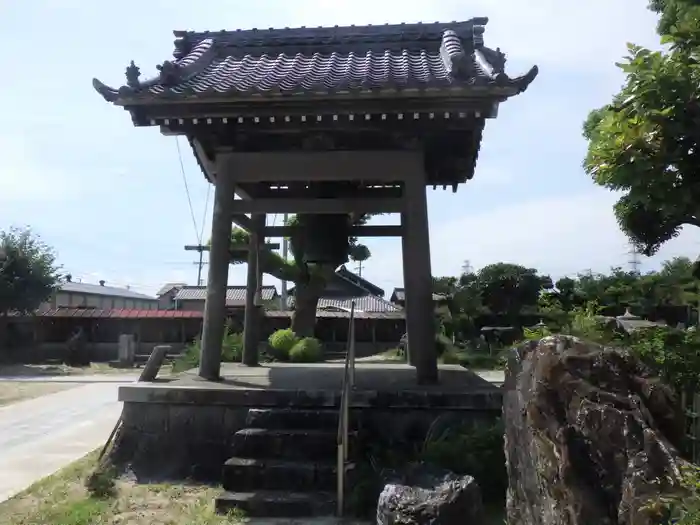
<point>281,342</point>
<point>232,347</point>
<point>189,358</point>
<point>308,350</point>
<point>231,352</point>
<point>443,344</point>
<point>473,450</point>
<point>671,353</point>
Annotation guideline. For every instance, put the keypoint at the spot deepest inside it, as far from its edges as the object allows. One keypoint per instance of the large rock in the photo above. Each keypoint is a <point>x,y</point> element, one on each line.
<point>422,495</point>
<point>588,429</point>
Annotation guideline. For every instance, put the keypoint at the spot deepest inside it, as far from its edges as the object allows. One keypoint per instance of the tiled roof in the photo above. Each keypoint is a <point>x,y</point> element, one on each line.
<point>97,289</point>
<point>97,313</point>
<point>167,287</point>
<point>235,295</point>
<point>324,61</point>
<point>368,303</point>
<point>339,314</point>
<point>399,296</point>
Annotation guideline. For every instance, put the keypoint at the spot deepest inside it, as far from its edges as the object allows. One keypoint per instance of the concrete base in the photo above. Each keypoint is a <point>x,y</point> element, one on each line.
<point>184,428</point>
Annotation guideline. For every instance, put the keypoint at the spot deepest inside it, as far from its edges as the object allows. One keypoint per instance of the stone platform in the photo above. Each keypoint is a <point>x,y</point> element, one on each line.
<point>185,427</point>
<point>319,385</point>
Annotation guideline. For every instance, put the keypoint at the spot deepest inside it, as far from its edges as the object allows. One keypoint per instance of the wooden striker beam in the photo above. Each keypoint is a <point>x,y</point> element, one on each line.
<point>356,231</point>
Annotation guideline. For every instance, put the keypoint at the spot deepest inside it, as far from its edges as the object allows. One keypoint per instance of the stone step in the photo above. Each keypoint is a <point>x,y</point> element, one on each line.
<point>291,444</point>
<point>285,418</point>
<point>277,504</point>
<point>243,474</point>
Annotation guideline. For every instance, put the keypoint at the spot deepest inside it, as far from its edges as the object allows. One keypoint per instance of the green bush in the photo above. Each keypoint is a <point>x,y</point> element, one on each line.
<point>231,352</point>
<point>673,354</point>
<point>473,450</point>
<point>281,343</point>
<point>232,347</point>
<point>308,350</point>
<point>443,344</point>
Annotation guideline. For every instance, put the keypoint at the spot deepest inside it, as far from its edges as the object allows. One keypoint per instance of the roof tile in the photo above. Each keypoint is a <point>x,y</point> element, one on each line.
<point>324,60</point>
<point>235,295</point>
<point>368,303</point>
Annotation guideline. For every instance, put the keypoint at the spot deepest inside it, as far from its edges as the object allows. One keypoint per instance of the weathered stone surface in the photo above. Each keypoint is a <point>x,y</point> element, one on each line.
<point>423,495</point>
<point>588,429</point>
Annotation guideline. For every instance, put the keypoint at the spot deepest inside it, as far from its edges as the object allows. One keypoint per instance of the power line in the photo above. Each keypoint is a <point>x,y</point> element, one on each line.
<point>204,214</point>
<point>187,190</point>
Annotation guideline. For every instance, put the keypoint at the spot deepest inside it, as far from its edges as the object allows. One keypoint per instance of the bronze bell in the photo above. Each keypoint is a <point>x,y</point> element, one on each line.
<point>325,239</point>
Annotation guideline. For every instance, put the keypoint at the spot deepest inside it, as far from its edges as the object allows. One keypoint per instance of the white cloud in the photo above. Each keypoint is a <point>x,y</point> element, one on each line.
<point>558,235</point>
<point>24,178</point>
<point>575,35</point>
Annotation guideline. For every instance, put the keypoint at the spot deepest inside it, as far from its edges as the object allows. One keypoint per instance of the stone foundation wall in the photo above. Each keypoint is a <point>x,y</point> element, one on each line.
<point>176,441</point>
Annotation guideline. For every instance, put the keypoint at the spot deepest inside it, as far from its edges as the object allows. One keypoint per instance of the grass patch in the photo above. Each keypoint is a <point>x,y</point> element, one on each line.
<point>393,354</point>
<point>14,391</point>
<point>63,499</point>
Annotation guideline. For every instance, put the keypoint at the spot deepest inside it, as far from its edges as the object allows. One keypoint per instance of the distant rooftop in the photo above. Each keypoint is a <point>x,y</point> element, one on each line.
<point>235,295</point>
<point>101,289</point>
<point>167,287</point>
<point>399,296</point>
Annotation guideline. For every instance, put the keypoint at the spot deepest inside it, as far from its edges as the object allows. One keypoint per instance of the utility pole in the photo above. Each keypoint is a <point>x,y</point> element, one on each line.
<point>201,249</point>
<point>285,253</point>
<point>634,261</point>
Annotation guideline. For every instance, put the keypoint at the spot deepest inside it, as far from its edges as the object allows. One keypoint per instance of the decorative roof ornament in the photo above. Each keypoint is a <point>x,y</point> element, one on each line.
<point>206,63</point>
<point>133,72</point>
<point>169,72</point>
<point>628,316</point>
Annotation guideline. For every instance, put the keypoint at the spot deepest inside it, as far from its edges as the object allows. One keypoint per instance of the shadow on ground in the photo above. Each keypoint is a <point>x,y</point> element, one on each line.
<point>35,370</point>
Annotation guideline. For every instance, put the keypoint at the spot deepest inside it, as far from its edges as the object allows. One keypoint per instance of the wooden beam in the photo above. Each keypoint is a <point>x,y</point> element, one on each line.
<point>294,192</point>
<point>385,166</point>
<point>209,167</point>
<point>237,248</point>
<point>321,206</point>
<point>356,231</point>
<point>244,222</point>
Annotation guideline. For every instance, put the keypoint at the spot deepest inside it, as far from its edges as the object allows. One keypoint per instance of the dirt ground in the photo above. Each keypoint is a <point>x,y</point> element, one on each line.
<point>11,391</point>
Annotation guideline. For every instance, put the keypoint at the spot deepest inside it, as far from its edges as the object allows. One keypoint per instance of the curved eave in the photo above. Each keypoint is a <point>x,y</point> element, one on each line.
<point>501,87</point>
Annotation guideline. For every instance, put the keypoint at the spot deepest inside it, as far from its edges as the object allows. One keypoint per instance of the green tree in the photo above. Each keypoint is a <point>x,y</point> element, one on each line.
<point>310,279</point>
<point>646,143</point>
<point>508,289</point>
<point>28,271</point>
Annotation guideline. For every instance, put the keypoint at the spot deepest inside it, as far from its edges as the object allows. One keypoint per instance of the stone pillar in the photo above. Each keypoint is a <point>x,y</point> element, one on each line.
<point>420,316</point>
<point>405,250</point>
<point>154,363</point>
<point>251,324</point>
<point>217,279</point>
<point>126,350</point>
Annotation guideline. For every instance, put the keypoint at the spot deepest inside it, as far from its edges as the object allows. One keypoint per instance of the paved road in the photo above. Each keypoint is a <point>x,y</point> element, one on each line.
<point>42,435</point>
<point>71,379</point>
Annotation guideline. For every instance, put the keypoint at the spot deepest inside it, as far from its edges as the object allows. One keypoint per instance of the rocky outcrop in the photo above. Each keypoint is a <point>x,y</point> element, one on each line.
<point>423,495</point>
<point>590,435</point>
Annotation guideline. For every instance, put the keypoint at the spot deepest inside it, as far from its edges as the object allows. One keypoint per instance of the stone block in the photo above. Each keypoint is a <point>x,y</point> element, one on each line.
<point>151,418</point>
<point>198,423</point>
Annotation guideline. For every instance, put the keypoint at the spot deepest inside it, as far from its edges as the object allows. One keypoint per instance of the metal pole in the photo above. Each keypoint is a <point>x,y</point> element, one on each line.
<point>285,253</point>
<point>199,269</point>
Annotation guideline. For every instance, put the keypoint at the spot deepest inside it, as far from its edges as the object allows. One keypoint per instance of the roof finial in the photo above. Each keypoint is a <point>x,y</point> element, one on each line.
<point>132,76</point>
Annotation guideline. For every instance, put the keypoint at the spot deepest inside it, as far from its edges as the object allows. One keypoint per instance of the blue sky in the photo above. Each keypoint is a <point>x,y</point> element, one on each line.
<point>110,198</point>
